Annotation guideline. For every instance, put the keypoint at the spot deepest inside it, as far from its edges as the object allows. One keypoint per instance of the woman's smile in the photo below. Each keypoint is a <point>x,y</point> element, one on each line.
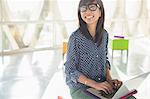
<point>90,17</point>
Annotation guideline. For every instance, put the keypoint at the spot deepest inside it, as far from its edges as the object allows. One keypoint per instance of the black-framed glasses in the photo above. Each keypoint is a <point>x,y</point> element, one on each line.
<point>91,7</point>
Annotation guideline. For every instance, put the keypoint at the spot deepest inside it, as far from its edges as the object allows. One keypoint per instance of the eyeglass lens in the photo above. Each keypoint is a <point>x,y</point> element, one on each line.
<point>91,7</point>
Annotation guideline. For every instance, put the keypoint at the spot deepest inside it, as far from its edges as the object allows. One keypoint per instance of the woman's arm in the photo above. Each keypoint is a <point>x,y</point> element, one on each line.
<point>105,86</point>
<point>108,73</point>
<point>72,60</point>
<point>115,83</point>
<point>88,82</point>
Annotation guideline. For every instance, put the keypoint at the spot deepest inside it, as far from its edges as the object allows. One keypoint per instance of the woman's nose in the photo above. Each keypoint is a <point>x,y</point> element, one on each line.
<point>88,11</point>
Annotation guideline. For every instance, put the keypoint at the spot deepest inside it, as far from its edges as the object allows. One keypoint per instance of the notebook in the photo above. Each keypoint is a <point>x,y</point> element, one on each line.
<point>129,87</point>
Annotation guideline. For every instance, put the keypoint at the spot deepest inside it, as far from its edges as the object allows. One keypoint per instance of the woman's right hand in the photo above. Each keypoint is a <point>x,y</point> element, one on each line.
<point>104,86</point>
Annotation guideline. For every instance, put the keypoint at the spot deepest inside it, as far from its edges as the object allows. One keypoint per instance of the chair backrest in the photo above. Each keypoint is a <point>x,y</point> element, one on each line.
<point>65,45</point>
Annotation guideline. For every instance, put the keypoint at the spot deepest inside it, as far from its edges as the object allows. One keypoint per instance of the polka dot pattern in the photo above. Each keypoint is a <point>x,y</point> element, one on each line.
<point>85,57</point>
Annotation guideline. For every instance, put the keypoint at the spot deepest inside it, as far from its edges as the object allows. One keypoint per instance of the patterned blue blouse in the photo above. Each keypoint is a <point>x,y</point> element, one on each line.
<point>85,57</point>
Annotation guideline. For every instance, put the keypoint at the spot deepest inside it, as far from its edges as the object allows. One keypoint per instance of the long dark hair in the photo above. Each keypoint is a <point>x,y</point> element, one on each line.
<point>100,23</point>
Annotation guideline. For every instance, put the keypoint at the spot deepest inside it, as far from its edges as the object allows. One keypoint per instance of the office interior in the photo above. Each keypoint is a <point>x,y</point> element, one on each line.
<point>32,33</point>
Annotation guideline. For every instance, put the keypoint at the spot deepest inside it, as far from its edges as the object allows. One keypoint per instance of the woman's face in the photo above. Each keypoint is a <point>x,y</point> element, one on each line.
<point>90,13</point>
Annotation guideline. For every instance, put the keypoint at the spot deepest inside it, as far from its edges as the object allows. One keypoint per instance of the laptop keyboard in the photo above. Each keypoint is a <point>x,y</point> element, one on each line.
<point>107,95</point>
<point>101,94</point>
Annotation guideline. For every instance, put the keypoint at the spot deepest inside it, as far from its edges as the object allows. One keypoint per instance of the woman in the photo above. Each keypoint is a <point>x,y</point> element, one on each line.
<point>86,64</point>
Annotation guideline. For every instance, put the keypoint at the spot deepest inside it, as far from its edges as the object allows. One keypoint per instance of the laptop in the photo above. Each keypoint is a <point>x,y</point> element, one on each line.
<point>128,86</point>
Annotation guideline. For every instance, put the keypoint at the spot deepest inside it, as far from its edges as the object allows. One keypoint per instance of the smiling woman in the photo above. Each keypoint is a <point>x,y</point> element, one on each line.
<point>87,63</point>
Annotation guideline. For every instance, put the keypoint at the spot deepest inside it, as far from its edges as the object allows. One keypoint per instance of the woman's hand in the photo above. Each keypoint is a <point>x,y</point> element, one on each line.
<point>104,86</point>
<point>115,83</point>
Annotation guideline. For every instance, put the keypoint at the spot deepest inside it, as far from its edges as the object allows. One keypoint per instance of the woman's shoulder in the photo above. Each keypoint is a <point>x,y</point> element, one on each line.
<point>105,32</point>
<point>76,34</point>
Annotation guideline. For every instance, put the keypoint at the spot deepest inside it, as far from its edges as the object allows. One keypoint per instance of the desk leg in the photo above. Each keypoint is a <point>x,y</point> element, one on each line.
<point>121,59</point>
<point>121,53</point>
<point>127,56</point>
<point>112,54</point>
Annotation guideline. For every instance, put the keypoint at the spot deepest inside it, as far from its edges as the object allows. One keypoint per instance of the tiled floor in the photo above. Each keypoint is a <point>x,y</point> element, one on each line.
<point>27,77</point>
<point>43,78</point>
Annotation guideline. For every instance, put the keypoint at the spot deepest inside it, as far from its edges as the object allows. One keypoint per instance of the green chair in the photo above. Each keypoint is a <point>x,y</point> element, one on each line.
<point>119,44</point>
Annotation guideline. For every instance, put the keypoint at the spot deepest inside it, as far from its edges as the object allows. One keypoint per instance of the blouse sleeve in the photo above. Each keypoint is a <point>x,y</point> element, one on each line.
<point>107,61</point>
<point>71,63</point>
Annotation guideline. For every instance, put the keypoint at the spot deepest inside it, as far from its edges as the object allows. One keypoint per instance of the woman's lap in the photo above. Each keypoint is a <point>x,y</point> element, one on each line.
<point>78,94</point>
